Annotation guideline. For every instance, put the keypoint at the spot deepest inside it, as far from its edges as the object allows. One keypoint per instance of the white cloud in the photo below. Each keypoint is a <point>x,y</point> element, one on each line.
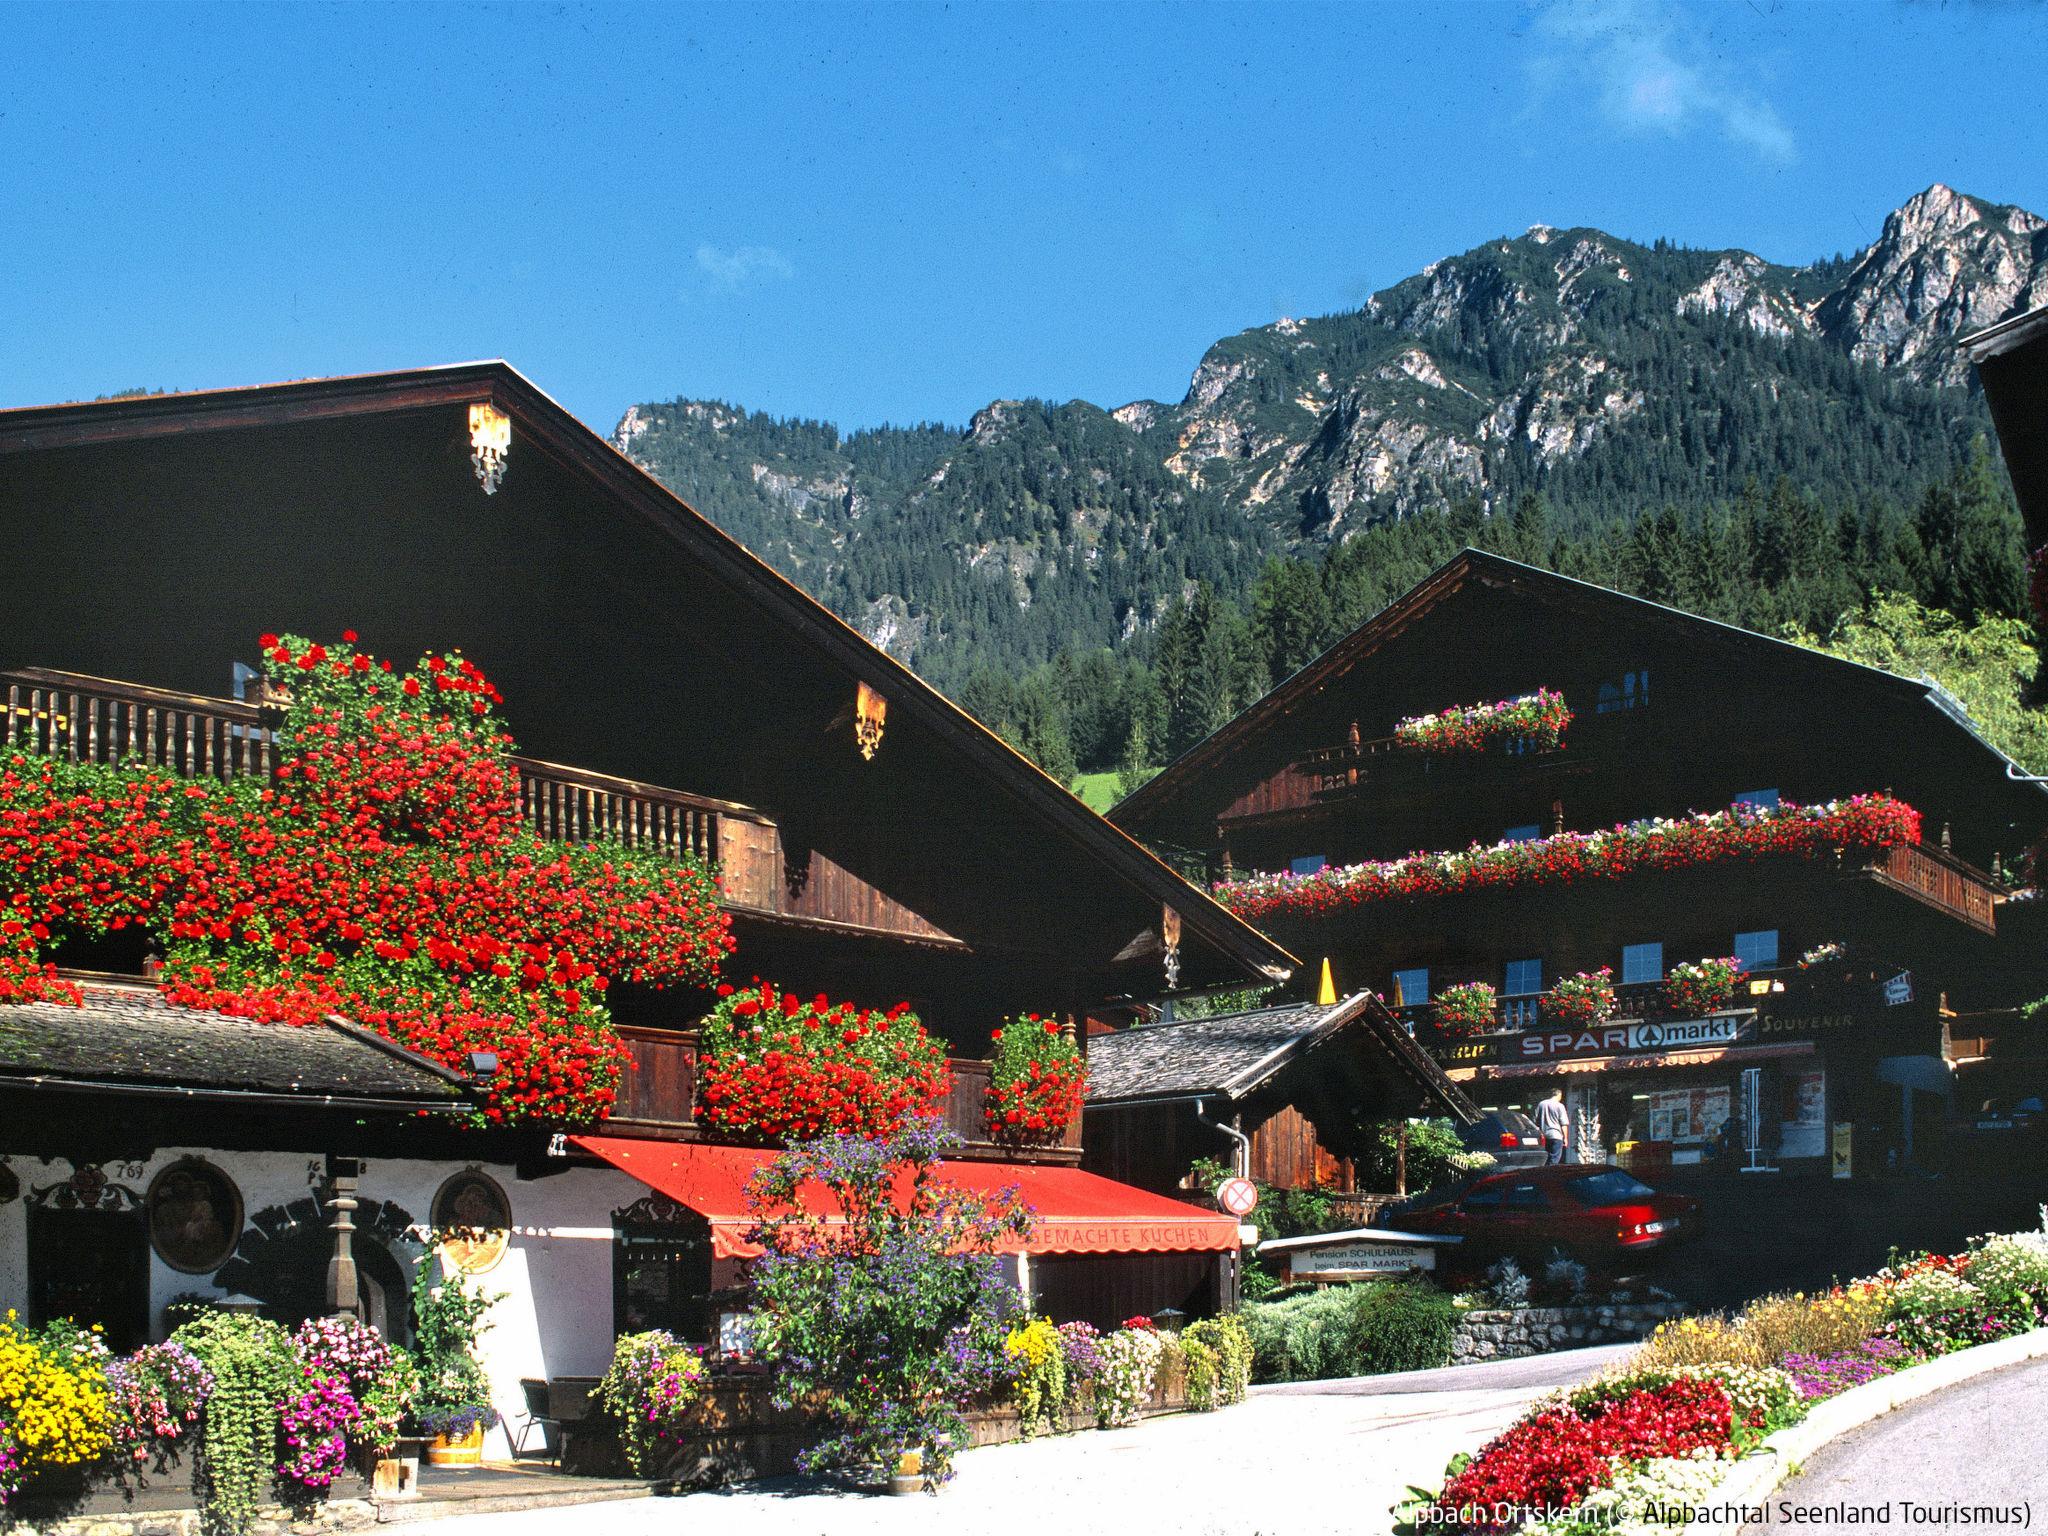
<point>1649,68</point>
<point>741,265</point>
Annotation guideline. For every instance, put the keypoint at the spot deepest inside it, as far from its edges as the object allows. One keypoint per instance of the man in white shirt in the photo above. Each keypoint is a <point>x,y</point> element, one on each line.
<point>1554,1122</point>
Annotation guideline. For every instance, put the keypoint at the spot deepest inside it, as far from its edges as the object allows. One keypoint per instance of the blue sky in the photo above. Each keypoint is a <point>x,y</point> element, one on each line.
<point>900,212</point>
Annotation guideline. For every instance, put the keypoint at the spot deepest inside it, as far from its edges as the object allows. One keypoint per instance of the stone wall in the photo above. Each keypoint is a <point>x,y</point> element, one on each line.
<point>1506,1335</point>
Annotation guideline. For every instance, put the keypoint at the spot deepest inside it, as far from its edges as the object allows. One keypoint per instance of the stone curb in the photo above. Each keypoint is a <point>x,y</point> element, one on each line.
<point>1756,1476</point>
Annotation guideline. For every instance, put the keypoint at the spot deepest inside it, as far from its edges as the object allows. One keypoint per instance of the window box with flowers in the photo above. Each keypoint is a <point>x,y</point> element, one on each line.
<point>779,1067</point>
<point>1037,1082</point>
<point>1538,719</point>
<point>1701,986</point>
<point>1582,1000</point>
<point>1470,1008</point>
<point>1738,834</point>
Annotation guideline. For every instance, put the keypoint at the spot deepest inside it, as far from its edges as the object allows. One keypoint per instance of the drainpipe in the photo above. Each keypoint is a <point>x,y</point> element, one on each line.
<point>1243,1159</point>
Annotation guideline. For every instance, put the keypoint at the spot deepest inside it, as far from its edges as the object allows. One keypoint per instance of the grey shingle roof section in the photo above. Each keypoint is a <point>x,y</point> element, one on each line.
<point>130,1038</point>
<point>1227,1055</point>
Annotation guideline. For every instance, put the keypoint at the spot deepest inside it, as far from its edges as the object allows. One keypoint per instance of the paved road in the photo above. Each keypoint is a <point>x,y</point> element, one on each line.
<point>1983,1443</point>
<point>1335,1459</point>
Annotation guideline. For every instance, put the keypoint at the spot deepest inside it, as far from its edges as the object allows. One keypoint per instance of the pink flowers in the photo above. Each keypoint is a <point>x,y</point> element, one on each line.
<point>1537,718</point>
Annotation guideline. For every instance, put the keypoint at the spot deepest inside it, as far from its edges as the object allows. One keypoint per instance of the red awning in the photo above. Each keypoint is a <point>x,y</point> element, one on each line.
<point>1073,1211</point>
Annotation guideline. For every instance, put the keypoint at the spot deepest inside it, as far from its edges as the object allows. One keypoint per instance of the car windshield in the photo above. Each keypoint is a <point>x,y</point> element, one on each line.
<point>1607,1187</point>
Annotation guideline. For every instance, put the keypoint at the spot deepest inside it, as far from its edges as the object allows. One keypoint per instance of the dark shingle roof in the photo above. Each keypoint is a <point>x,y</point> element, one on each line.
<point>131,1037</point>
<point>1227,1055</point>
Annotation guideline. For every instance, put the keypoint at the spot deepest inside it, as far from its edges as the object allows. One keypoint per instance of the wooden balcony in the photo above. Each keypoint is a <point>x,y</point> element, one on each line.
<point>658,1098</point>
<point>92,719</point>
<point>1940,880</point>
<point>1382,763</point>
<point>1634,1002</point>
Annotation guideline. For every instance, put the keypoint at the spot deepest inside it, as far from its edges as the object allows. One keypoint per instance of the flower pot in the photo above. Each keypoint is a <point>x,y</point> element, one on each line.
<point>462,1451</point>
<point>907,1476</point>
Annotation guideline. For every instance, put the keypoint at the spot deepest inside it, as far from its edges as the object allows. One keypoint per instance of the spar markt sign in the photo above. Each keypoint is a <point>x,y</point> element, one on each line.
<point>1629,1039</point>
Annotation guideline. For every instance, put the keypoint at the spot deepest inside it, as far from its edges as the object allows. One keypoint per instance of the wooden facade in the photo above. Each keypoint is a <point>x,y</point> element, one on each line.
<point>1672,715</point>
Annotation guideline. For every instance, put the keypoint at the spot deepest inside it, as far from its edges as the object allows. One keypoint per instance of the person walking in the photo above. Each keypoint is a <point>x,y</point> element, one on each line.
<point>1554,1122</point>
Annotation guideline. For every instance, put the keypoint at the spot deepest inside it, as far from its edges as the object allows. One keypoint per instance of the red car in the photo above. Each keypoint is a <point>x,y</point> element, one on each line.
<point>1595,1213</point>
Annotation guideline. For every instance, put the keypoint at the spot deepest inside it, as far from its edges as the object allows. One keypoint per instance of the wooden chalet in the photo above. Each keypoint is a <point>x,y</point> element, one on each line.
<point>1673,714</point>
<point>1304,1085</point>
<point>667,688</point>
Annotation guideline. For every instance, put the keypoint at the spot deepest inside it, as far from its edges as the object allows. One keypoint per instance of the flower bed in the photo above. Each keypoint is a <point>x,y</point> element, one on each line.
<point>1741,832</point>
<point>1037,1082</point>
<point>1657,1434</point>
<point>386,873</point>
<point>1538,718</point>
<point>780,1067</point>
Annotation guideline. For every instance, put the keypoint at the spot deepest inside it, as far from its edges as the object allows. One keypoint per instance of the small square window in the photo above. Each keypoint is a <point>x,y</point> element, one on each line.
<point>1307,864</point>
<point>1762,799</point>
<point>1632,691</point>
<point>1523,834</point>
<point>1642,962</point>
<point>1757,949</point>
<point>1411,987</point>
<point>1523,977</point>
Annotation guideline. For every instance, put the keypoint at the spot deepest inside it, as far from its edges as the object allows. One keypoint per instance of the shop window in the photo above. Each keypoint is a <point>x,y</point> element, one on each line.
<point>1522,981</point>
<point>661,1270</point>
<point>1632,691</point>
<point>1308,864</point>
<point>1411,987</point>
<point>1762,799</point>
<point>1757,949</point>
<point>1641,962</point>
<point>1527,833</point>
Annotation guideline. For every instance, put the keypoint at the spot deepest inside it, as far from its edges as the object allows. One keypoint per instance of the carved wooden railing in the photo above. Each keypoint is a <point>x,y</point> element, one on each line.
<point>1941,880</point>
<point>93,719</point>
<point>658,1097</point>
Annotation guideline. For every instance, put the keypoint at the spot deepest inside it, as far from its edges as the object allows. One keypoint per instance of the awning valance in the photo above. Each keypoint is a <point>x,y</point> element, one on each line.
<point>1072,1211</point>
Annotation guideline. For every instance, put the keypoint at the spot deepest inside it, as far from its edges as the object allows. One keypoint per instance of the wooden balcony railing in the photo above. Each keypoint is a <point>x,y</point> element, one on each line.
<point>1942,881</point>
<point>658,1097</point>
<point>1635,1000</point>
<point>94,719</point>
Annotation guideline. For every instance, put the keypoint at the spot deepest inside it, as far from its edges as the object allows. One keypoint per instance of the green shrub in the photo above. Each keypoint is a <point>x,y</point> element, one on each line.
<point>1231,1345</point>
<point>1352,1330</point>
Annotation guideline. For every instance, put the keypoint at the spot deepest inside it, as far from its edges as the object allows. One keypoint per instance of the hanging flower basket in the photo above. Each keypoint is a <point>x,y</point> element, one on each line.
<point>1469,1008</point>
<point>1701,986</point>
<point>1582,1000</point>
<point>1537,718</point>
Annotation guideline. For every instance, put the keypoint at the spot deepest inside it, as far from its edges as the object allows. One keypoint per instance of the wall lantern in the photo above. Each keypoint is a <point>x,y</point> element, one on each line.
<point>870,714</point>
<point>490,439</point>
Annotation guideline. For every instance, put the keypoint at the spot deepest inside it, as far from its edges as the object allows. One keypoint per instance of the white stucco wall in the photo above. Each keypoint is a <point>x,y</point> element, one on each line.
<point>555,1318</point>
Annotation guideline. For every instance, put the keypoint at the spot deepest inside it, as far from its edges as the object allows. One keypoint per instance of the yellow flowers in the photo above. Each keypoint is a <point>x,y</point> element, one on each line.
<point>1034,1344</point>
<point>54,1396</point>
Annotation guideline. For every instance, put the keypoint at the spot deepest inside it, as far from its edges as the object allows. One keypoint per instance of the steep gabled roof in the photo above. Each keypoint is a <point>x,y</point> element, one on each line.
<point>1235,1054</point>
<point>1470,565</point>
<point>2012,364</point>
<point>1219,946</point>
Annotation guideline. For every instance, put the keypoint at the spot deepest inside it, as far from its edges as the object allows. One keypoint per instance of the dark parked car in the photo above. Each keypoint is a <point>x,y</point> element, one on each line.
<point>1592,1212</point>
<point>1508,1136</point>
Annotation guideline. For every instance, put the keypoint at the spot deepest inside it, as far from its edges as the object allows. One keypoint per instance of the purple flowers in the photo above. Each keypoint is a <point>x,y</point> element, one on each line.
<point>10,1464</point>
<point>1083,1347</point>
<point>313,1430</point>
<point>1819,1376</point>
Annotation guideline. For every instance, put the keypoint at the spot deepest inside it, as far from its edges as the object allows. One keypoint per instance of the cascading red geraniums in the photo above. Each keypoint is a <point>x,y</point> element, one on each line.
<point>1738,833</point>
<point>779,1067</point>
<point>385,874</point>
<point>1037,1081</point>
